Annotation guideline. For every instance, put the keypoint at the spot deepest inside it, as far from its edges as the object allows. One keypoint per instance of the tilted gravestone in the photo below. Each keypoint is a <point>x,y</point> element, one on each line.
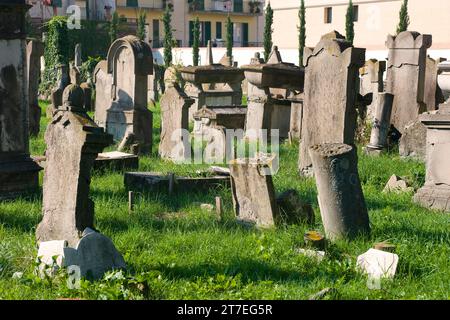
<point>35,50</point>
<point>406,76</point>
<point>175,104</point>
<point>341,199</point>
<point>73,143</point>
<point>122,88</point>
<point>254,198</point>
<point>18,172</point>
<point>432,98</point>
<point>329,107</point>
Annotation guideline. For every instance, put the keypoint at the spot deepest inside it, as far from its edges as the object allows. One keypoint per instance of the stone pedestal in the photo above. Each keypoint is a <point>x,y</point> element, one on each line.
<point>341,199</point>
<point>381,123</point>
<point>18,172</point>
<point>73,143</point>
<point>435,194</point>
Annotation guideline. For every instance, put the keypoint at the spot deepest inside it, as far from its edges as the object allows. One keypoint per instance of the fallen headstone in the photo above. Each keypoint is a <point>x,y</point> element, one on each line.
<point>397,184</point>
<point>378,264</point>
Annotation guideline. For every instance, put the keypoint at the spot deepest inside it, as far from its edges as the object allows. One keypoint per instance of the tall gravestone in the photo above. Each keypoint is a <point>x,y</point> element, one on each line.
<point>18,172</point>
<point>35,50</point>
<point>405,78</point>
<point>175,139</point>
<point>372,82</point>
<point>121,107</point>
<point>432,97</point>
<point>329,108</point>
<point>73,143</point>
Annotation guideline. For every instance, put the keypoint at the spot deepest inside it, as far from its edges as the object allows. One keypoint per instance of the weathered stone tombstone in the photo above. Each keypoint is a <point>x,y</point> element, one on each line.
<point>381,123</point>
<point>18,172</point>
<point>444,79</point>
<point>341,199</point>
<point>269,87</point>
<point>212,85</point>
<point>405,79</point>
<point>63,80</point>
<point>175,143</point>
<point>432,98</point>
<point>329,107</point>
<point>371,81</point>
<point>123,82</point>
<point>35,50</point>
<point>295,130</point>
<point>413,141</point>
<point>73,143</point>
<point>254,198</point>
<point>435,194</point>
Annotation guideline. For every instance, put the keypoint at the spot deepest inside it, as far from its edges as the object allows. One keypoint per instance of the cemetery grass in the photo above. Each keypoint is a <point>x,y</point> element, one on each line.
<point>174,250</point>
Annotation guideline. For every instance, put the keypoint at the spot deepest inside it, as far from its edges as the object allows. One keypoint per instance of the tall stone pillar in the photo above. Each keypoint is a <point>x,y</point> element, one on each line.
<point>18,172</point>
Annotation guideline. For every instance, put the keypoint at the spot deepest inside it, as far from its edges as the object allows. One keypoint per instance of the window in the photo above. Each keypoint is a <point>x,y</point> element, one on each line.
<point>218,30</point>
<point>132,3</point>
<point>355,13</point>
<point>328,15</point>
<point>156,41</point>
<point>238,6</point>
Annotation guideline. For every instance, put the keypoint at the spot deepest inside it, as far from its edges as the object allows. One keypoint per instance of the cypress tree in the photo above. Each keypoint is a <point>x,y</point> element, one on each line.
<point>349,23</point>
<point>302,31</point>
<point>142,19</point>
<point>404,18</point>
<point>114,27</point>
<point>229,37</point>
<point>268,44</point>
<point>196,43</point>
<point>168,37</point>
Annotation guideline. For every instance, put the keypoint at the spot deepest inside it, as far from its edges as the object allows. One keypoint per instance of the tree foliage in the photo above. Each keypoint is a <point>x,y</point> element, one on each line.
<point>142,21</point>
<point>404,18</point>
<point>168,37</point>
<point>196,43</point>
<point>268,44</point>
<point>350,23</point>
<point>230,39</point>
<point>114,27</point>
<point>302,31</point>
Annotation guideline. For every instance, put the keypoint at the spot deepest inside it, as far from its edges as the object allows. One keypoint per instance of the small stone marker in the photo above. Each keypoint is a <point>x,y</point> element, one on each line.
<point>314,239</point>
<point>207,207</point>
<point>378,264</point>
<point>413,141</point>
<point>317,255</point>
<point>219,208</point>
<point>397,184</point>
<point>130,202</point>
<point>293,209</point>
<point>384,246</point>
<point>341,199</point>
<point>381,123</point>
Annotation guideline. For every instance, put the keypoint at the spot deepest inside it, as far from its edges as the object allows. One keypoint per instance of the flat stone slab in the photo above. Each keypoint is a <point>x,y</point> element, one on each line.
<point>152,181</point>
<point>434,197</point>
<point>116,160</point>
<point>378,264</point>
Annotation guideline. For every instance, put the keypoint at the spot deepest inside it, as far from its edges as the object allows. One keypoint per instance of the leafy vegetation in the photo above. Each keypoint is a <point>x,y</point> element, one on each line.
<point>404,18</point>
<point>268,44</point>
<point>196,44</point>
<point>230,37</point>
<point>350,23</point>
<point>168,37</point>
<point>302,31</point>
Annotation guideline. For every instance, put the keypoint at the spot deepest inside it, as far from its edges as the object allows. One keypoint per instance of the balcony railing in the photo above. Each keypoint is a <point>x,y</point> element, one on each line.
<point>251,7</point>
<point>144,4</point>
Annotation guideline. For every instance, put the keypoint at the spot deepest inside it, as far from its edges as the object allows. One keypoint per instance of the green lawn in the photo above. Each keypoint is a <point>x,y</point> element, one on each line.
<point>175,251</point>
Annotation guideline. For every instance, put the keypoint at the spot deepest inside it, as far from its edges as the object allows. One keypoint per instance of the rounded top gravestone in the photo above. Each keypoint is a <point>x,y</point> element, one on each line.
<point>73,97</point>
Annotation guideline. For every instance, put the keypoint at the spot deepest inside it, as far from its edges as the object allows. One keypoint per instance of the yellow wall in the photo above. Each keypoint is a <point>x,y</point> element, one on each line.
<point>377,19</point>
<point>181,17</point>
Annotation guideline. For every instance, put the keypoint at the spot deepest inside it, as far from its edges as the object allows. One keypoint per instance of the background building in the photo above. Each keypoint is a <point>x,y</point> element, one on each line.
<point>247,17</point>
<point>375,19</point>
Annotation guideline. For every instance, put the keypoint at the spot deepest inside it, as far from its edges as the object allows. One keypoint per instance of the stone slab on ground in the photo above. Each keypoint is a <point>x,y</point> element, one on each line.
<point>153,181</point>
<point>116,160</point>
<point>378,264</point>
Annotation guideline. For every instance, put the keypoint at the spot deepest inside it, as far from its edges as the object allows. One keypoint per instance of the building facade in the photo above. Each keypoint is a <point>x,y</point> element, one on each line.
<point>374,20</point>
<point>246,15</point>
